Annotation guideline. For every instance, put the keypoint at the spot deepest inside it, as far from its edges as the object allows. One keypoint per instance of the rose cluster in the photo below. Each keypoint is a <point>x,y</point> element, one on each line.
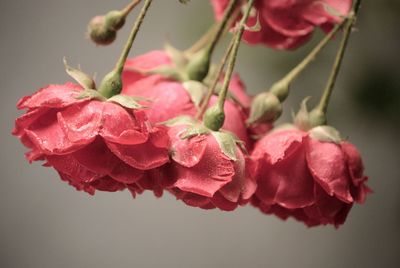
<point>149,136</point>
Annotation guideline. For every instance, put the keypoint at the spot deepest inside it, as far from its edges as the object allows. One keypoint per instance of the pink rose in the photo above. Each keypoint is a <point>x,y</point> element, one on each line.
<point>94,145</point>
<point>169,98</point>
<point>314,181</point>
<point>204,176</point>
<point>287,24</point>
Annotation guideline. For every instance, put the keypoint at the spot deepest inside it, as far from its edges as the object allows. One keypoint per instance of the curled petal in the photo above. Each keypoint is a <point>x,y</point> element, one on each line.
<point>211,173</point>
<point>52,96</point>
<point>327,164</point>
<point>120,126</point>
<point>186,152</point>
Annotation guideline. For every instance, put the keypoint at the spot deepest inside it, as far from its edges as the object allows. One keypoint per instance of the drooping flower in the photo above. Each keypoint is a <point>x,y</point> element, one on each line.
<point>93,144</point>
<point>205,176</point>
<point>312,176</point>
<point>287,24</point>
<point>172,98</point>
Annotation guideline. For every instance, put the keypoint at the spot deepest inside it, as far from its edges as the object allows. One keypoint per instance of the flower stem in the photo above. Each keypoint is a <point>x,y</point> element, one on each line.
<point>232,58</point>
<point>112,83</point>
<point>125,52</point>
<point>284,83</point>
<point>130,7</point>
<point>222,25</point>
<point>216,79</point>
<point>324,101</point>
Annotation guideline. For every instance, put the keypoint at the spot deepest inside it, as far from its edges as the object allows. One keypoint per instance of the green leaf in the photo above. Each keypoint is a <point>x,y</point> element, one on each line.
<point>129,102</point>
<point>91,94</point>
<point>180,120</point>
<point>326,134</point>
<point>227,143</point>
<point>196,90</point>
<point>83,79</point>
<point>195,130</point>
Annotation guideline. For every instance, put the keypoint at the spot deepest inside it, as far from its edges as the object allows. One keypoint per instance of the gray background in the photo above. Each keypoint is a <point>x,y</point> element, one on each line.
<point>46,223</point>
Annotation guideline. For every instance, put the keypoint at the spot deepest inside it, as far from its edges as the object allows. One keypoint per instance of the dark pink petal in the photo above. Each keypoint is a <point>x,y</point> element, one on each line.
<point>149,61</point>
<point>143,156</point>
<point>277,146</point>
<point>186,152</point>
<point>327,164</point>
<point>82,123</point>
<point>222,203</point>
<point>69,166</point>
<point>316,12</point>
<point>47,135</point>
<point>52,96</point>
<point>213,172</point>
<point>124,173</point>
<point>286,21</point>
<point>79,186</point>
<point>107,184</point>
<point>288,183</point>
<point>354,161</point>
<point>25,120</point>
<point>120,126</point>
<point>327,209</point>
<point>96,157</point>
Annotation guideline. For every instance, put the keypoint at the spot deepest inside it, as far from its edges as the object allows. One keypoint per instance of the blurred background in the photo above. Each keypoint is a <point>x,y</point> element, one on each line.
<point>46,223</point>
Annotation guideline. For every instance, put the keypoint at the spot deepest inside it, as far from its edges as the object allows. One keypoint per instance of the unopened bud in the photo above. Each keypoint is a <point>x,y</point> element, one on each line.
<point>99,33</point>
<point>199,65</point>
<point>214,117</point>
<point>115,20</point>
<point>265,107</point>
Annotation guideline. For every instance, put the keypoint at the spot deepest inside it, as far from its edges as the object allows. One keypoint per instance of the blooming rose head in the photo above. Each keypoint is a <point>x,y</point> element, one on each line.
<point>205,176</point>
<point>308,176</point>
<point>169,98</point>
<point>287,24</point>
<point>93,144</point>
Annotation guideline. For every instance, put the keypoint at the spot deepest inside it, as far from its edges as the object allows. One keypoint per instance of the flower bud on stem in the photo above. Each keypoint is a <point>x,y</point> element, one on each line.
<point>112,83</point>
<point>103,29</point>
<point>212,120</point>
<point>199,64</point>
<point>320,110</point>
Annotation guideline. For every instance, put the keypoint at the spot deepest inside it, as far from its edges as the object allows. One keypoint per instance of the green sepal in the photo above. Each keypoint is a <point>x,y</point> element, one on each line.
<point>227,142</point>
<point>91,94</point>
<point>256,27</point>
<point>325,134</point>
<point>83,79</point>
<point>196,90</point>
<point>129,102</point>
<point>178,57</point>
<point>179,120</point>
<point>302,118</point>
<point>195,130</point>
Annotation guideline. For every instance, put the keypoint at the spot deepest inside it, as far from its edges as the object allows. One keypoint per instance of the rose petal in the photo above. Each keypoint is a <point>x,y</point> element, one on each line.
<point>327,164</point>
<point>52,96</point>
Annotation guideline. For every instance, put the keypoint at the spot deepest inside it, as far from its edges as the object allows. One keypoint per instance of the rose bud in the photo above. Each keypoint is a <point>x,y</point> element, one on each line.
<point>313,176</point>
<point>93,143</point>
<point>289,24</point>
<point>206,174</point>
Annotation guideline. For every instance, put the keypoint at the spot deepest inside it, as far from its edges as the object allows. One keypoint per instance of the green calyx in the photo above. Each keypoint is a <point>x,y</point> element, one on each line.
<point>199,65</point>
<point>265,107</point>
<point>111,84</point>
<point>306,120</point>
<point>214,117</point>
